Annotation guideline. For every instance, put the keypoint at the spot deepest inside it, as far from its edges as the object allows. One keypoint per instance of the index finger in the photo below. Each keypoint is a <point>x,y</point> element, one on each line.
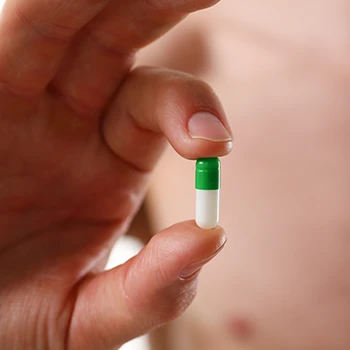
<point>154,104</point>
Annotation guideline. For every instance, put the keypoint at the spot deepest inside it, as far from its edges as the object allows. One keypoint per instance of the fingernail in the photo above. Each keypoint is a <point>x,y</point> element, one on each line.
<point>206,126</point>
<point>193,270</point>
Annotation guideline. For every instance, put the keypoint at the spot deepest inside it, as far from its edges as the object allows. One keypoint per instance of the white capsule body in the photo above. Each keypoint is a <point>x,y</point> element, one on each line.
<point>207,208</point>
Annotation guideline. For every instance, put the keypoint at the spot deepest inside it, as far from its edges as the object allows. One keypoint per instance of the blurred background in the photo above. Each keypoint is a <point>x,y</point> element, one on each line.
<point>281,69</point>
<point>126,248</point>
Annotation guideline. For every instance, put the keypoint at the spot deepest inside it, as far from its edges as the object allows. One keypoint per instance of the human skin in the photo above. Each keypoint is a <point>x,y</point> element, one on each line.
<point>79,136</point>
<point>281,69</point>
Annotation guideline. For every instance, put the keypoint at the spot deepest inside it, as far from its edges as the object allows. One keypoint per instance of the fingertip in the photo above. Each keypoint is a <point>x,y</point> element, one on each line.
<point>207,126</point>
<point>206,136</point>
<point>190,227</point>
<point>163,277</point>
<point>187,243</point>
<point>194,120</point>
<point>200,148</point>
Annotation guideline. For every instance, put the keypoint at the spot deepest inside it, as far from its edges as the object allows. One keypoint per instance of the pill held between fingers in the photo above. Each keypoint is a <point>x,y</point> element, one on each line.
<point>207,192</point>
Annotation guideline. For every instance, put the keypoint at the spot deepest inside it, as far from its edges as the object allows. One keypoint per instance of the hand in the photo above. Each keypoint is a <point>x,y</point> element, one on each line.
<point>80,135</point>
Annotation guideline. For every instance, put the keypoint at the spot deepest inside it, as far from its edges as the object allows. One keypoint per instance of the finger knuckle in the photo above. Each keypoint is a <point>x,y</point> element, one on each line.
<point>45,29</point>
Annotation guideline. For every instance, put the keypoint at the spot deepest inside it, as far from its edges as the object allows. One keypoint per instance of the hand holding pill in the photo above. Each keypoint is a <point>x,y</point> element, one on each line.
<point>81,133</point>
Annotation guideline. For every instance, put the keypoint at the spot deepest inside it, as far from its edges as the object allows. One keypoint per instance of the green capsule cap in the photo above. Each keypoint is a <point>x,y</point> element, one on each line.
<point>208,174</point>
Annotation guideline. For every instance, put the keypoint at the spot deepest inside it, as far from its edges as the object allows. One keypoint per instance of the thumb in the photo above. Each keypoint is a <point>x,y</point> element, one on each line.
<point>147,291</point>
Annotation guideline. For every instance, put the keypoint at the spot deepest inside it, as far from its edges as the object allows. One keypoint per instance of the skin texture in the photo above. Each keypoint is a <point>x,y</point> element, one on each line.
<point>281,69</point>
<point>76,154</point>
